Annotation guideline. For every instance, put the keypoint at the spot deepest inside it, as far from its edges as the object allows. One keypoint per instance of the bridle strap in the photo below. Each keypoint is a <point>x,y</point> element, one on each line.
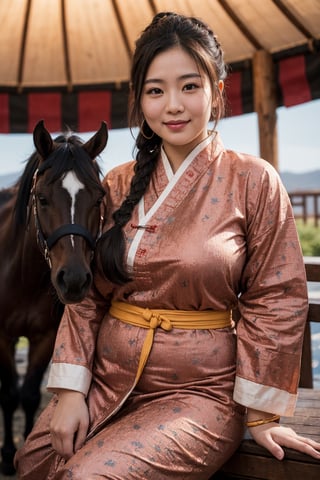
<point>70,229</point>
<point>46,244</point>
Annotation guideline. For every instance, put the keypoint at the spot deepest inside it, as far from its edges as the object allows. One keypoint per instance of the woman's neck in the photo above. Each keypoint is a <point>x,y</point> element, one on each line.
<point>177,155</point>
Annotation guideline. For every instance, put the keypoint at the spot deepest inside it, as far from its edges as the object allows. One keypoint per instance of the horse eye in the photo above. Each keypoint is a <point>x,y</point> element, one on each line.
<point>99,201</point>
<point>43,201</point>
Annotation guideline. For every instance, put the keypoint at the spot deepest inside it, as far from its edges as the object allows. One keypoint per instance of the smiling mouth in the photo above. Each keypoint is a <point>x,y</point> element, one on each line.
<point>176,122</point>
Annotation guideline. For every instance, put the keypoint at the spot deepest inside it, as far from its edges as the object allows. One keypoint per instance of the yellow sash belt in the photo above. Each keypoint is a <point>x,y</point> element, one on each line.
<point>166,319</point>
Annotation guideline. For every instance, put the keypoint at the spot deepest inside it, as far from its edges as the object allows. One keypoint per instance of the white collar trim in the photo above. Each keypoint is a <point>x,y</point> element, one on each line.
<point>172,180</point>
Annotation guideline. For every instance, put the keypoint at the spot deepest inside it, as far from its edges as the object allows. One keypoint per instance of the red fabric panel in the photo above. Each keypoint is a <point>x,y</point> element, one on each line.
<point>293,81</point>
<point>93,108</point>
<point>4,113</point>
<point>234,94</point>
<point>47,107</point>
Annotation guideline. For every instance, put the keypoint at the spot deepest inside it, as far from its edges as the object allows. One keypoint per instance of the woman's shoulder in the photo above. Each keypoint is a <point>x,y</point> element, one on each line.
<point>121,169</point>
<point>250,166</point>
<point>248,160</point>
<point>119,175</point>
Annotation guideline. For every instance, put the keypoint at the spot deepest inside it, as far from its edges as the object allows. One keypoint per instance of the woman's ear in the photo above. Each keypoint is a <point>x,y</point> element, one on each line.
<point>215,99</point>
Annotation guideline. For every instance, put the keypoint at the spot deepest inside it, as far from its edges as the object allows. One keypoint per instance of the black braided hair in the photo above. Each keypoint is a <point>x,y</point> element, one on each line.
<point>167,30</point>
<point>111,246</point>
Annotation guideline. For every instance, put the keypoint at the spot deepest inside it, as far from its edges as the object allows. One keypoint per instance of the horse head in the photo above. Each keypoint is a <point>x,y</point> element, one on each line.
<point>67,197</point>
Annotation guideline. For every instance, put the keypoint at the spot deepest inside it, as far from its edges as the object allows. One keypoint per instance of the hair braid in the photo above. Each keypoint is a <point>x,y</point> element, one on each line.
<point>111,246</point>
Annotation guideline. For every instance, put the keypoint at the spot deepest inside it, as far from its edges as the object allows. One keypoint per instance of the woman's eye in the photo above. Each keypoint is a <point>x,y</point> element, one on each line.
<point>190,86</point>
<point>154,91</point>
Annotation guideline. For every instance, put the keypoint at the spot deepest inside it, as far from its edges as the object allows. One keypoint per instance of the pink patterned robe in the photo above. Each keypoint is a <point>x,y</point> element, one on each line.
<point>220,235</point>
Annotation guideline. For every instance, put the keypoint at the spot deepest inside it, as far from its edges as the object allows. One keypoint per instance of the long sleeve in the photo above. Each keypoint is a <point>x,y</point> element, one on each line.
<point>75,344</point>
<point>273,304</point>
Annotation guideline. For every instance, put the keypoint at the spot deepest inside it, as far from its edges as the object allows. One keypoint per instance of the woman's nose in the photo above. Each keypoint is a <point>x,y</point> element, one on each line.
<point>174,103</point>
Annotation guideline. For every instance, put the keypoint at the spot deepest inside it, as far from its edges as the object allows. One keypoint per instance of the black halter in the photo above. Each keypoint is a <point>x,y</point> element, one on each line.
<point>46,244</point>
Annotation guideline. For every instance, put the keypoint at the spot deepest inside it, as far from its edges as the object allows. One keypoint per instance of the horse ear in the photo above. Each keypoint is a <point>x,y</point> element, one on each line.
<point>42,140</point>
<point>97,143</point>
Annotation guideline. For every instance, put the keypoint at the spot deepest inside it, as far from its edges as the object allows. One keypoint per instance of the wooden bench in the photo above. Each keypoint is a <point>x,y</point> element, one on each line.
<point>252,462</point>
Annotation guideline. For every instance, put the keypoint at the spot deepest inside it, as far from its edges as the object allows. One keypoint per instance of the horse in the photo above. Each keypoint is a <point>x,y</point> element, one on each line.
<point>50,221</point>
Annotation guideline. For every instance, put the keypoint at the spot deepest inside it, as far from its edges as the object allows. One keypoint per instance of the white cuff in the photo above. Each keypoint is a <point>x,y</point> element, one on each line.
<point>70,377</point>
<point>264,398</point>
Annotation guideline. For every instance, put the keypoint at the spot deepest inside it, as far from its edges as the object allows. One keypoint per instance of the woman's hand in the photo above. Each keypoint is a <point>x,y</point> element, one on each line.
<point>273,437</point>
<point>69,424</point>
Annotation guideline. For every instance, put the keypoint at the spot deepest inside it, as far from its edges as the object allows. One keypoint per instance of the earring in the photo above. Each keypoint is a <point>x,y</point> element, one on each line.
<point>214,112</point>
<point>142,132</point>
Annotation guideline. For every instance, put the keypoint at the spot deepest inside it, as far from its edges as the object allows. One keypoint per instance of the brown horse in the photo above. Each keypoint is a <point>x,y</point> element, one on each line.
<point>49,223</point>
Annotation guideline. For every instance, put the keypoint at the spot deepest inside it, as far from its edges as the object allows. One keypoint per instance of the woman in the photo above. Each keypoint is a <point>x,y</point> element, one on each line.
<point>151,381</point>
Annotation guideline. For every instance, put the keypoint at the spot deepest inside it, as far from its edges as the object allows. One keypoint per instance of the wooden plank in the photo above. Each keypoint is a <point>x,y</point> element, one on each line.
<point>135,16</point>
<point>98,53</point>
<point>314,311</point>
<point>265,104</point>
<point>306,410</point>
<point>232,39</point>
<point>44,61</point>
<point>306,394</point>
<point>267,468</point>
<point>313,272</point>
<point>312,265</point>
<point>306,376</point>
<point>12,14</point>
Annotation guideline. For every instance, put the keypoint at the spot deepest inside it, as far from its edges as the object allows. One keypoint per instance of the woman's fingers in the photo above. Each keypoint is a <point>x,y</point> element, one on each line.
<point>69,423</point>
<point>274,436</point>
<point>63,444</point>
<point>299,443</point>
<point>81,434</point>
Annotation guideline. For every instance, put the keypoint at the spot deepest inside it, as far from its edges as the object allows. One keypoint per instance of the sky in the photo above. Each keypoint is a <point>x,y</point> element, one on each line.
<point>298,141</point>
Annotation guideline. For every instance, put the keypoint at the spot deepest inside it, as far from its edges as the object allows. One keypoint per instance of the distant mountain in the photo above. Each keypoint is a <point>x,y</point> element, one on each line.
<point>8,179</point>
<point>301,181</point>
<point>292,181</point>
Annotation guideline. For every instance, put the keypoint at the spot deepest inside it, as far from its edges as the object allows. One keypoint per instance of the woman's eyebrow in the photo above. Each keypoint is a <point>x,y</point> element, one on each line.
<point>182,77</point>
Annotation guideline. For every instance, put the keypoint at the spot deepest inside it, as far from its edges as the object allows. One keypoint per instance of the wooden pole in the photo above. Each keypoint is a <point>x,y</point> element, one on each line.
<point>265,104</point>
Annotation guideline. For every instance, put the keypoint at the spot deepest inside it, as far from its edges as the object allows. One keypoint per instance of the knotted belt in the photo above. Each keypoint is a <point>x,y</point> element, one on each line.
<point>167,320</point>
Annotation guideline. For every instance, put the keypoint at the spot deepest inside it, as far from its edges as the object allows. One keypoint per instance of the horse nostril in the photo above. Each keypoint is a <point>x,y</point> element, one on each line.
<point>60,280</point>
<point>73,285</point>
<point>88,280</point>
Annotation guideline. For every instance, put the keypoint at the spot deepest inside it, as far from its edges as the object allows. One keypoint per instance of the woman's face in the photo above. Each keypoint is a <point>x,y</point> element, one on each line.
<point>177,100</point>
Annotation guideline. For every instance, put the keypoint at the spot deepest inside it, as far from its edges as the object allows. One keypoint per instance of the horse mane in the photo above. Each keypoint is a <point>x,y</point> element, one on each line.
<point>6,194</point>
<point>67,155</point>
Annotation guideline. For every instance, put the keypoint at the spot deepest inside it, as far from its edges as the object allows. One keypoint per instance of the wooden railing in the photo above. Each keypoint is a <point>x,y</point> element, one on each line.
<point>303,200</point>
<point>312,265</point>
